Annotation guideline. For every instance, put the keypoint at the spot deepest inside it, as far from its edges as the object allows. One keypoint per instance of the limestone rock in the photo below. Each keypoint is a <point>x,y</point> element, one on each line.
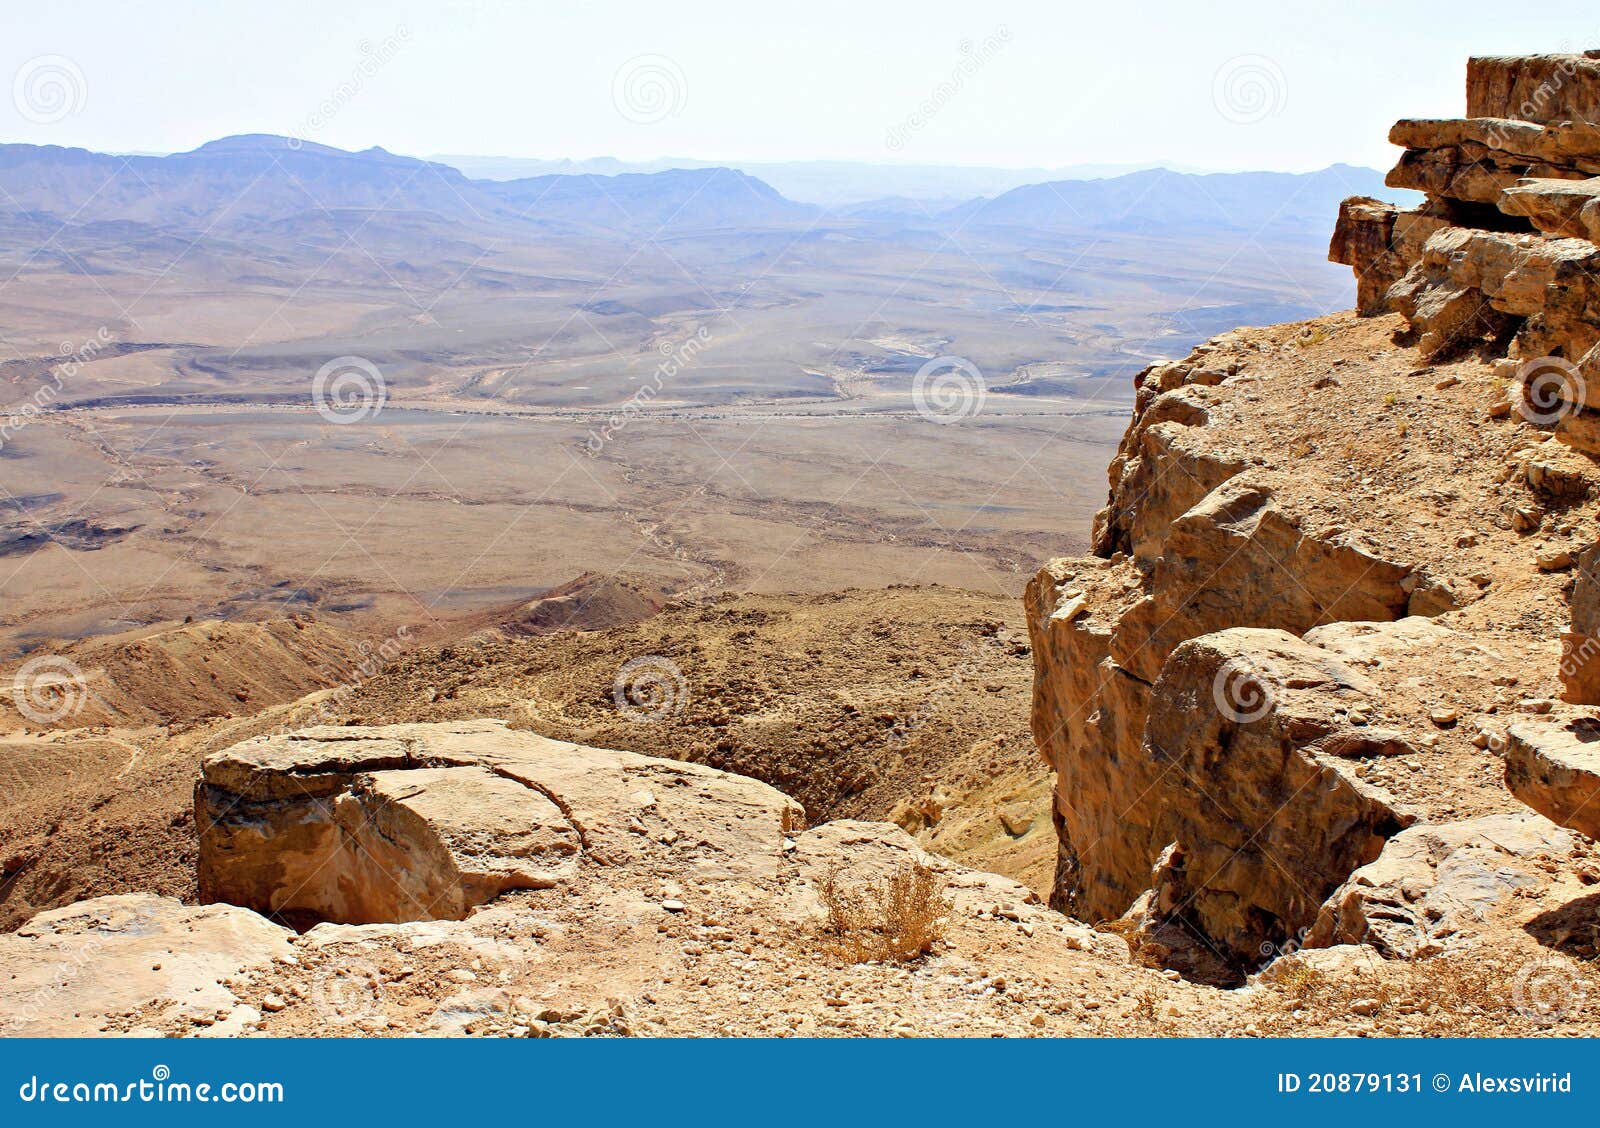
<point>1238,548</point>
<point>421,822</point>
<point>1536,88</point>
<point>1454,174</point>
<point>1573,145</point>
<point>1362,240</point>
<point>1580,646</point>
<point>1211,549</point>
<point>1433,884</point>
<point>1564,207</point>
<point>1471,285</point>
<point>1502,256</point>
<point>1265,814</point>
<point>69,970</point>
<point>1553,765</point>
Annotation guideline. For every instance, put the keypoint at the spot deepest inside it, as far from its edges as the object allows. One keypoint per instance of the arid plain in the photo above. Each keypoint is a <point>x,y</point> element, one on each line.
<point>727,404</point>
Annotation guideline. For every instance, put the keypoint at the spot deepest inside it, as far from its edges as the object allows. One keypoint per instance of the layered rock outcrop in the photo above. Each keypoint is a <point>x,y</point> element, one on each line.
<point>1503,251</point>
<point>1314,567</point>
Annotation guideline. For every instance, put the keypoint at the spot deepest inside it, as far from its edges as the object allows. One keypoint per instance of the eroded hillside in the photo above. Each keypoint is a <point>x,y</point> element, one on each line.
<point>1319,704</point>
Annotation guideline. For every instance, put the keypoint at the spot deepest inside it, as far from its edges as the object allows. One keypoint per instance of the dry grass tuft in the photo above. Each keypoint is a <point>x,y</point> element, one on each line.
<point>1147,1004</point>
<point>898,921</point>
<point>1461,994</point>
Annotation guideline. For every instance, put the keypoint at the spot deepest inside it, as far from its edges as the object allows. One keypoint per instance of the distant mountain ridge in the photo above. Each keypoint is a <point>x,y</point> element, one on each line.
<point>238,182</point>
<point>826,183</point>
<point>1157,198</point>
<point>234,185</point>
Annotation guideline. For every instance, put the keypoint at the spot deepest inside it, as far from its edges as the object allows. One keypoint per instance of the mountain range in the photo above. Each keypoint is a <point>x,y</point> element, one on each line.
<point>831,184</point>
<point>238,184</point>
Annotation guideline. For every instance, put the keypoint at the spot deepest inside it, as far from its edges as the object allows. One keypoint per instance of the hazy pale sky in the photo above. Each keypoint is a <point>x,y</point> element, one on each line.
<point>1236,85</point>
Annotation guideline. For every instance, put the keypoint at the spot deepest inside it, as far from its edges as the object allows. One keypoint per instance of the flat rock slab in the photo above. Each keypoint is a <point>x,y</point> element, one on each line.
<point>67,972</point>
<point>1538,88</point>
<point>429,821</point>
<point>1553,765</point>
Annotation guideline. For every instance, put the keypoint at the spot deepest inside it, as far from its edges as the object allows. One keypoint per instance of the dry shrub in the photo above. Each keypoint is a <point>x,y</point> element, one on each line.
<point>1458,994</point>
<point>900,920</point>
<point>1300,983</point>
<point>1147,1004</point>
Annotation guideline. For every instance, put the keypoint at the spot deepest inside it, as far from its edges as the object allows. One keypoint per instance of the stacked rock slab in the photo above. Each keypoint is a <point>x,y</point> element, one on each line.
<point>1503,250</point>
<point>1177,706</point>
<point>1203,681</point>
<point>1503,256</point>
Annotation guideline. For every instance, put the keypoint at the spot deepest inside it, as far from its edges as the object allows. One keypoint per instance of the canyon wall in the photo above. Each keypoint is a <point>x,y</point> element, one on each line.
<point>1336,556</point>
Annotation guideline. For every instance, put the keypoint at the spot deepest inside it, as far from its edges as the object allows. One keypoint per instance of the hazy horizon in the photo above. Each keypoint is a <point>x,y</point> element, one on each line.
<point>1021,86</point>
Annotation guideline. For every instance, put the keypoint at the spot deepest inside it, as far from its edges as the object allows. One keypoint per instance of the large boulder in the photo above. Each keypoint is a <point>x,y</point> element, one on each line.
<point>1434,884</point>
<point>429,821</point>
<point>1249,732</point>
<point>1553,765</point>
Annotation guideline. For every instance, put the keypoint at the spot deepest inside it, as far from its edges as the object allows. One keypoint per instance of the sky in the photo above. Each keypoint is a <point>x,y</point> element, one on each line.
<point>1243,85</point>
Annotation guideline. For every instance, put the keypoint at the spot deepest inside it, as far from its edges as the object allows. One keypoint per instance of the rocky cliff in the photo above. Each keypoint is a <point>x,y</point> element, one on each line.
<point>1337,559</point>
<point>1320,708</point>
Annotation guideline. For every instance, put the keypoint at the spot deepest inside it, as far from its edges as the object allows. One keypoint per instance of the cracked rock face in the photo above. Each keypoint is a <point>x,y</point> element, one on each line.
<point>1199,542</point>
<point>1259,801</point>
<point>1241,568</point>
<point>1433,884</point>
<point>429,821</point>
